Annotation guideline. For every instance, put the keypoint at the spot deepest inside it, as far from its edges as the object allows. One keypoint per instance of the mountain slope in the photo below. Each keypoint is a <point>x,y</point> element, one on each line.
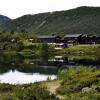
<point>4,19</point>
<point>79,20</point>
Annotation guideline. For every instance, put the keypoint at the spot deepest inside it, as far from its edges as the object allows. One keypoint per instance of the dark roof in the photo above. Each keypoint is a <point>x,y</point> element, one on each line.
<point>72,35</point>
<point>47,36</point>
<point>95,36</point>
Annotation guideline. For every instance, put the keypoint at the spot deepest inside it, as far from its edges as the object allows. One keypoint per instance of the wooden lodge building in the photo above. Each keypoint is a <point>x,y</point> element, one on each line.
<point>49,39</point>
<point>68,39</point>
<point>46,39</point>
<point>72,39</point>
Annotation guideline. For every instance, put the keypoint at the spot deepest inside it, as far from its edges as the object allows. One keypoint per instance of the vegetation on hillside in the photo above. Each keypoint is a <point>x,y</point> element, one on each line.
<point>78,20</point>
<point>4,19</point>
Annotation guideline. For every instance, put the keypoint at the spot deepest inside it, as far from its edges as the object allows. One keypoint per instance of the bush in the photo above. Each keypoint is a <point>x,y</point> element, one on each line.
<point>6,87</point>
<point>76,87</point>
<point>74,79</point>
<point>69,73</point>
<point>35,93</point>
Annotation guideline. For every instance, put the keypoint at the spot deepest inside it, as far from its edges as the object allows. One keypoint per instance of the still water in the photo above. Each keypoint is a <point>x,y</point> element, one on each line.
<point>20,70</point>
<point>16,77</point>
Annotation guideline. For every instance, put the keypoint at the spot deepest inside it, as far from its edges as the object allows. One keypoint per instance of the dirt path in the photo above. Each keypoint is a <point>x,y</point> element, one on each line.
<point>53,85</point>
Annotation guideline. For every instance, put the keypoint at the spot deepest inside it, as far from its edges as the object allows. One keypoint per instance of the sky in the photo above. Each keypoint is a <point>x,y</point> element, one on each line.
<point>17,8</point>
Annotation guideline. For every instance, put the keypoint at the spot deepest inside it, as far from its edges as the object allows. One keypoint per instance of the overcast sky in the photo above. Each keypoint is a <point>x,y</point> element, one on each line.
<point>17,8</point>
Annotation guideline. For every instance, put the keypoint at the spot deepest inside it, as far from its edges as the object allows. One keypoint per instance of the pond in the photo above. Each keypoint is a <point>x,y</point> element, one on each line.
<point>21,70</point>
<point>16,77</point>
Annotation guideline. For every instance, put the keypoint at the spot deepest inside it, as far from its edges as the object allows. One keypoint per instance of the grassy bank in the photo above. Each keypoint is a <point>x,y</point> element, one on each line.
<point>75,83</point>
<point>80,83</point>
<point>81,50</point>
<point>35,91</point>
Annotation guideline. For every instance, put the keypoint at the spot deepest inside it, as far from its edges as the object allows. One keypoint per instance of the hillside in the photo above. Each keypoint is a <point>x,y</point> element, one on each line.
<point>79,20</point>
<point>4,19</point>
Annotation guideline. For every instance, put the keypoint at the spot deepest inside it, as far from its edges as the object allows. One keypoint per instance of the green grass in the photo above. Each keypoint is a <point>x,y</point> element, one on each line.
<point>74,80</point>
<point>82,50</point>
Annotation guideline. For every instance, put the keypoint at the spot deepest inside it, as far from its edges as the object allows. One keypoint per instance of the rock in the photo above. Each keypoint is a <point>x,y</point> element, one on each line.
<point>86,89</point>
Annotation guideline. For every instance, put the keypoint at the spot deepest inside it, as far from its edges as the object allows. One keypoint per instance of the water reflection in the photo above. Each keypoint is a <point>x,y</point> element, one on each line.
<point>75,60</point>
<point>18,69</point>
<point>15,77</point>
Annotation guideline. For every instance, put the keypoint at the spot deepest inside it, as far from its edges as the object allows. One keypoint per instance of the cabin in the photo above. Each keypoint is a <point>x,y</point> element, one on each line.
<point>68,39</point>
<point>49,39</point>
<point>89,39</point>
<point>85,39</point>
<point>95,39</point>
<point>72,39</point>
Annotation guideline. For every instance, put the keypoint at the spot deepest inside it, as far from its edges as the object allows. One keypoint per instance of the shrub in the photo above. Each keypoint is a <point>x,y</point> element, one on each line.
<point>35,93</point>
<point>6,87</point>
<point>68,73</point>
